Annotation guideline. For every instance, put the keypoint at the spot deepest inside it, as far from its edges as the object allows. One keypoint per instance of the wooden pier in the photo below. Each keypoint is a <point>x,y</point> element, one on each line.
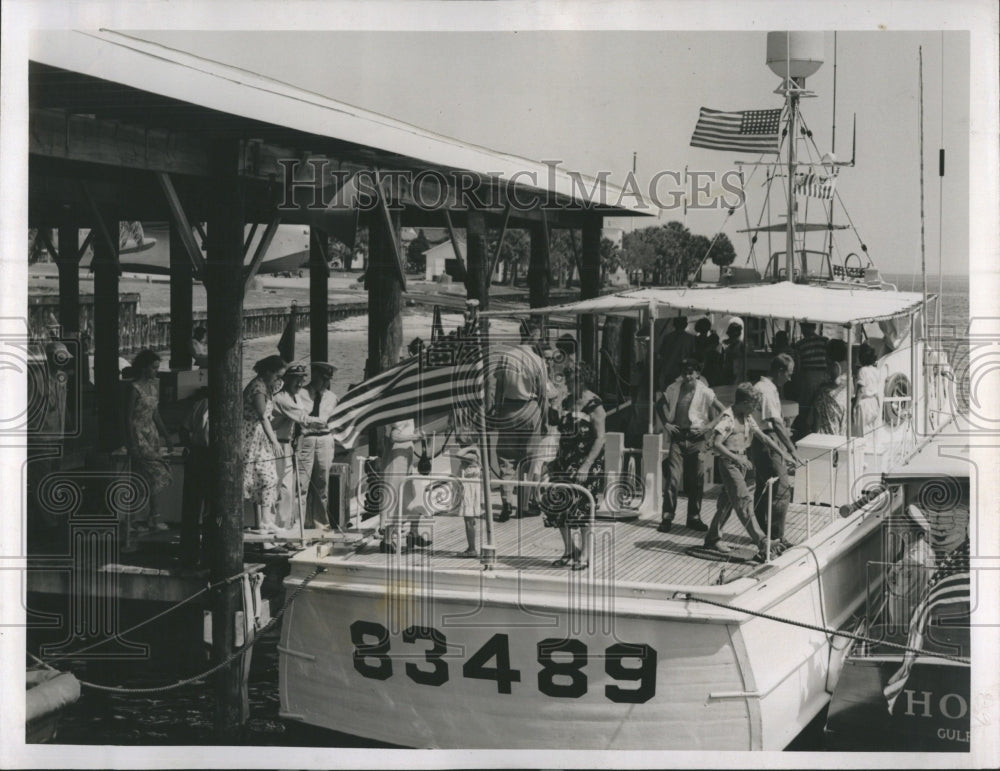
<point>124,130</point>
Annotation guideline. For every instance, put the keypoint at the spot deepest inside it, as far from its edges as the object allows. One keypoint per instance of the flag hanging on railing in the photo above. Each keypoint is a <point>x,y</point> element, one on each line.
<point>446,376</point>
<point>753,131</point>
<point>816,185</point>
<point>946,588</point>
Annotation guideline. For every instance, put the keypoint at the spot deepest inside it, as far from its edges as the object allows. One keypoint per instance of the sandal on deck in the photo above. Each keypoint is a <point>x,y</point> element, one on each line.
<point>580,566</point>
<point>563,561</point>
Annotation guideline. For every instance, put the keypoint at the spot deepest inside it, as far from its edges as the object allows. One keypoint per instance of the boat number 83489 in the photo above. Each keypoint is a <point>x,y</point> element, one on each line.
<point>562,663</point>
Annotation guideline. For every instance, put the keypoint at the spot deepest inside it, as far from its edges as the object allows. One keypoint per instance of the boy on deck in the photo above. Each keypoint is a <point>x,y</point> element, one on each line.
<point>730,440</point>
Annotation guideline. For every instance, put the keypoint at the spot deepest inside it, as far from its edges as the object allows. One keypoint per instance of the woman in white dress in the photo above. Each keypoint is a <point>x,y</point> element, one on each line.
<point>868,396</point>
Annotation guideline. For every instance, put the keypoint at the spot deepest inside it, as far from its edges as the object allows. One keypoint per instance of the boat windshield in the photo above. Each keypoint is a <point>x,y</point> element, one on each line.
<point>810,264</point>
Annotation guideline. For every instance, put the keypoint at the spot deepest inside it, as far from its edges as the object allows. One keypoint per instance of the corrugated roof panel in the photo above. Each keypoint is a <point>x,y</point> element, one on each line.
<point>168,72</point>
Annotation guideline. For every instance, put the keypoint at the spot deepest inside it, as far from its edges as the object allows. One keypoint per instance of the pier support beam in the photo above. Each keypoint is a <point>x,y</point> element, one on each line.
<point>477,259</point>
<point>538,265</point>
<point>181,302</point>
<point>224,284</point>
<point>68,263</point>
<point>590,284</point>
<point>385,305</point>
<point>106,372</point>
<point>319,272</point>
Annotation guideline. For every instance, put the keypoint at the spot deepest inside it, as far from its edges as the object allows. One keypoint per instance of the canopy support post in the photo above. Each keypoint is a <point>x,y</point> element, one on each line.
<point>649,362</point>
<point>590,285</point>
<point>850,409</point>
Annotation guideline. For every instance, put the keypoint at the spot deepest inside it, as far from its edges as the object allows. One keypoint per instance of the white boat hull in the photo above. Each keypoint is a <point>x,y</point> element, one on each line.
<point>712,678</point>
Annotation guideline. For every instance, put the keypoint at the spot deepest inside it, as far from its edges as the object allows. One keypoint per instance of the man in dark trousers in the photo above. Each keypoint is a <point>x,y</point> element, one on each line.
<point>770,459</point>
<point>686,410</point>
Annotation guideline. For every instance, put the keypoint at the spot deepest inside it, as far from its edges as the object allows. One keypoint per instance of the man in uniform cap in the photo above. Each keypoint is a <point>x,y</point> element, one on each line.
<point>315,448</point>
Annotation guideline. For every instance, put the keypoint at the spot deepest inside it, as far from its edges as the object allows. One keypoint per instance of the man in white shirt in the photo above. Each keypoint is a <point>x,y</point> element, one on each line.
<point>199,347</point>
<point>767,461</point>
<point>686,410</point>
<point>288,418</point>
<point>314,451</point>
<point>517,414</point>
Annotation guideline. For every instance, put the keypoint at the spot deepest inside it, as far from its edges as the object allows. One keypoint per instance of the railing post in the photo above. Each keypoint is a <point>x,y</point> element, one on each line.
<point>770,489</point>
<point>833,483</point>
<point>808,502</point>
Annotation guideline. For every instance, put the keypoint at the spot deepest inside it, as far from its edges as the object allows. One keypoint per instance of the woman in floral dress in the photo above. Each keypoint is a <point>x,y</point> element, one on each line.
<point>580,460</point>
<point>261,449</point>
<point>830,403</point>
<point>144,427</point>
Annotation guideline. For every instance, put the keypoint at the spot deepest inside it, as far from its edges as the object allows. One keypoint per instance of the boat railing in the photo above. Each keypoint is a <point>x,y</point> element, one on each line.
<point>489,548</point>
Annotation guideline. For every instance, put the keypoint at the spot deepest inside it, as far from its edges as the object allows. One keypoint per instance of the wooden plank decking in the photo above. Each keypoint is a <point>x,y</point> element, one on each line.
<point>626,550</point>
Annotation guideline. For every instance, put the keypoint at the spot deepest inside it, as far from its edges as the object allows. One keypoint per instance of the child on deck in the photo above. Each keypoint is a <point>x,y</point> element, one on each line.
<point>731,438</point>
<point>471,474</point>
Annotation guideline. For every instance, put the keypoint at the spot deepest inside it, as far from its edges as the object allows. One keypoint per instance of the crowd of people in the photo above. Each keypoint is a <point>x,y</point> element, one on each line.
<point>549,425</point>
<point>288,448</point>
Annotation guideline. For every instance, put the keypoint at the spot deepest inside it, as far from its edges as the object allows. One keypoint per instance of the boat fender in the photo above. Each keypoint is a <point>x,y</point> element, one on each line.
<point>51,695</point>
<point>865,498</point>
<point>895,386</point>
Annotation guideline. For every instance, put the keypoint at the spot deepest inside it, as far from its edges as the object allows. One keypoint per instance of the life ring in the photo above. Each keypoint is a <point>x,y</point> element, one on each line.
<point>894,413</point>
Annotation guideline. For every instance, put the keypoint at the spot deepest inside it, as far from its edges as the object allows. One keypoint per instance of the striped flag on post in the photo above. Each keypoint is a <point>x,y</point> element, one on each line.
<point>950,590</point>
<point>816,185</point>
<point>446,376</point>
<point>752,131</point>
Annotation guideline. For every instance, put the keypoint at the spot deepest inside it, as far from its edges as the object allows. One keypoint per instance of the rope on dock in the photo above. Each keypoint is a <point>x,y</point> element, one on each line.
<point>829,632</point>
<point>221,665</point>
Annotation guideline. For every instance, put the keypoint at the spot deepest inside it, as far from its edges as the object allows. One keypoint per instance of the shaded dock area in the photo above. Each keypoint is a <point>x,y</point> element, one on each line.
<point>122,130</point>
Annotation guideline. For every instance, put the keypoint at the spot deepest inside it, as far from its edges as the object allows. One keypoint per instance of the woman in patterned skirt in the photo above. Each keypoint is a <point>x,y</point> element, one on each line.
<point>144,427</point>
<point>830,404</point>
<point>261,449</point>
<point>579,460</point>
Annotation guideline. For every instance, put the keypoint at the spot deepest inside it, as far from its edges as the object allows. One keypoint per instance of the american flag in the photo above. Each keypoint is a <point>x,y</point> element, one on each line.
<point>753,131</point>
<point>950,585</point>
<point>446,376</point>
<point>816,185</point>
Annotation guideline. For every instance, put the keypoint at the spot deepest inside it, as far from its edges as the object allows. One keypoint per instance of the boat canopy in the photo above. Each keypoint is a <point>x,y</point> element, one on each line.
<point>785,300</point>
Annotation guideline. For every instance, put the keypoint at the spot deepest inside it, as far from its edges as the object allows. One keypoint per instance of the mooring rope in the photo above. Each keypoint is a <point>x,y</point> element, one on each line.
<point>825,630</point>
<point>212,670</point>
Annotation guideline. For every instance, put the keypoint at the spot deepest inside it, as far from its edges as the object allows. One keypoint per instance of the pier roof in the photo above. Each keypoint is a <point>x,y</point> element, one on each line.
<point>165,86</point>
<point>785,300</point>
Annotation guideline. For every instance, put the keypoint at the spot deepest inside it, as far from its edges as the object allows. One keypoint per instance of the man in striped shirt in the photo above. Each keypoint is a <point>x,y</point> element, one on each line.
<point>810,369</point>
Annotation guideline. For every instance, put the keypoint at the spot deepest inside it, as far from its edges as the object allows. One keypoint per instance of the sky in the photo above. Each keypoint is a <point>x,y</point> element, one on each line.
<point>591,99</point>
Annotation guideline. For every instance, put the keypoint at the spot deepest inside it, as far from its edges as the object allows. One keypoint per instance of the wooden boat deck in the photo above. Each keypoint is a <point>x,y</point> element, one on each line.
<point>624,550</point>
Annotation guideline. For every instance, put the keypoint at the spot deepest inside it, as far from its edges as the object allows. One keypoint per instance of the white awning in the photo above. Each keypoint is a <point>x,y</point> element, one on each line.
<point>799,302</point>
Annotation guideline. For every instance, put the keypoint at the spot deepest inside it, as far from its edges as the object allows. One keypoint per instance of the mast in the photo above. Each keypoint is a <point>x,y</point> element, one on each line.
<point>833,149</point>
<point>791,98</point>
<point>923,250</point>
